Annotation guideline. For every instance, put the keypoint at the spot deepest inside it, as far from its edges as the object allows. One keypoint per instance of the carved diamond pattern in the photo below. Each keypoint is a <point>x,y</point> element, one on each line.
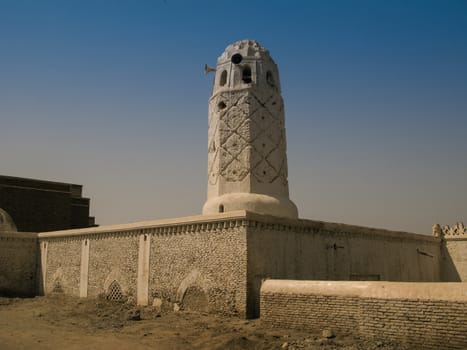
<point>253,104</point>
<point>234,118</point>
<point>274,133</point>
<point>264,144</point>
<point>274,158</point>
<point>250,136</point>
<point>274,106</point>
<point>225,158</point>
<point>236,169</point>
<point>224,132</point>
<point>268,105</point>
<point>235,144</point>
<point>255,158</point>
<point>264,172</point>
<point>263,119</point>
<point>249,130</point>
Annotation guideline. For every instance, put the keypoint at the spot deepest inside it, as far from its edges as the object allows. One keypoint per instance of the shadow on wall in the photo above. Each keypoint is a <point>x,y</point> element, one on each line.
<point>195,299</point>
<point>449,270</point>
<point>18,264</point>
<point>192,294</point>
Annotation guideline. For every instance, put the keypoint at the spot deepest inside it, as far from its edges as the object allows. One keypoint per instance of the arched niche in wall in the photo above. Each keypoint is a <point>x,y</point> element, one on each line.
<point>223,78</point>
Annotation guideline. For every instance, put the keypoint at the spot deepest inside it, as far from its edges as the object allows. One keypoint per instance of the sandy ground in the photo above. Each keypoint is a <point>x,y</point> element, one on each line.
<point>59,322</point>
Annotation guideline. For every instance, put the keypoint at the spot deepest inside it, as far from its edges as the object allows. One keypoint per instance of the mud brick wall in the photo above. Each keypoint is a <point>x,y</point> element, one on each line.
<point>428,315</point>
<point>18,264</point>
<point>433,324</point>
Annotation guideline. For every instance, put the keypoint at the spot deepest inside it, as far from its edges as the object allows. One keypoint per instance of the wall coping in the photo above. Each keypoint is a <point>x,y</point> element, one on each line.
<point>243,218</point>
<point>18,235</point>
<point>434,291</point>
<point>454,238</point>
<point>141,225</point>
<point>340,227</point>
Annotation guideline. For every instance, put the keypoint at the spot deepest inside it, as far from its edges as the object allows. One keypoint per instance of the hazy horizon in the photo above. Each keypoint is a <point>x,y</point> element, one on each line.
<point>112,95</point>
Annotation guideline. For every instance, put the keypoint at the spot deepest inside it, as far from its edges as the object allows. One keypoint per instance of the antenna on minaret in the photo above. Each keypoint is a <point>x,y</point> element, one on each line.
<point>208,69</point>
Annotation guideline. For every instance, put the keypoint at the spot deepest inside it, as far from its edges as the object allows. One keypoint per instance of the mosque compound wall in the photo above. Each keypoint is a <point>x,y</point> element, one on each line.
<point>226,256</point>
<point>219,263</point>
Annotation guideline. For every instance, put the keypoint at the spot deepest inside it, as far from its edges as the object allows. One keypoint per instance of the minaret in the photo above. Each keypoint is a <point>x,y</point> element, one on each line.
<point>247,162</point>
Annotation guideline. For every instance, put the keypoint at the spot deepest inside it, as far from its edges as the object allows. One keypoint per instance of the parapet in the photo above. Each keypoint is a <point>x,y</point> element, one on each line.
<point>454,231</point>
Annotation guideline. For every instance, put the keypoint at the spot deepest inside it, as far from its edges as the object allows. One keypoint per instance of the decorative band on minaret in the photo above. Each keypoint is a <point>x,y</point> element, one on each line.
<point>247,161</point>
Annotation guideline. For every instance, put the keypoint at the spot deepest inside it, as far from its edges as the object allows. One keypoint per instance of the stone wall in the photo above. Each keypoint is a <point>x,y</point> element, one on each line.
<point>195,262</point>
<point>209,263</point>
<point>455,259</point>
<point>314,250</point>
<point>454,251</point>
<point>113,258</point>
<point>62,267</point>
<point>429,315</point>
<point>18,263</point>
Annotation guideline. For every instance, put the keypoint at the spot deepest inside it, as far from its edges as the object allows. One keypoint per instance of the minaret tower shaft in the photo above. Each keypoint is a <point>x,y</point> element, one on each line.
<point>247,161</point>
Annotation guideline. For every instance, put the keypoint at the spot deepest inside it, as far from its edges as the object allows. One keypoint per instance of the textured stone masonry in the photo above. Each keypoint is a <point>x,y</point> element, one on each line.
<point>198,262</point>
<point>63,266</point>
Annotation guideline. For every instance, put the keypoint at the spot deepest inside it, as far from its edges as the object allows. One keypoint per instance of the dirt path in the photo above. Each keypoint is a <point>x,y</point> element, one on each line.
<point>59,322</point>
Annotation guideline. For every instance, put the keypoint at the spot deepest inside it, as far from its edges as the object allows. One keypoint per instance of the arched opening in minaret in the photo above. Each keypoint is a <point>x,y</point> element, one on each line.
<point>221,208</point>
<point>223,79</point>
<point>246,75</point>
<point>270,79</point>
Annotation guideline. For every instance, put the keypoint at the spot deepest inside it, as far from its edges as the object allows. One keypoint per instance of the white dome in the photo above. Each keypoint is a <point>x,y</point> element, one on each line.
<point>246,48</point>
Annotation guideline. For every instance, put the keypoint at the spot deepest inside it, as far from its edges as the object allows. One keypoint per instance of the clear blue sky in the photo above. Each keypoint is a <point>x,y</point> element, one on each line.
<point>111,95</point>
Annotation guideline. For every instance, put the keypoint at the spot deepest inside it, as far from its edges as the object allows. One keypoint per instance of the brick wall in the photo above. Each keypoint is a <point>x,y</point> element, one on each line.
<point>18,263</point>
<point>429,315</point>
